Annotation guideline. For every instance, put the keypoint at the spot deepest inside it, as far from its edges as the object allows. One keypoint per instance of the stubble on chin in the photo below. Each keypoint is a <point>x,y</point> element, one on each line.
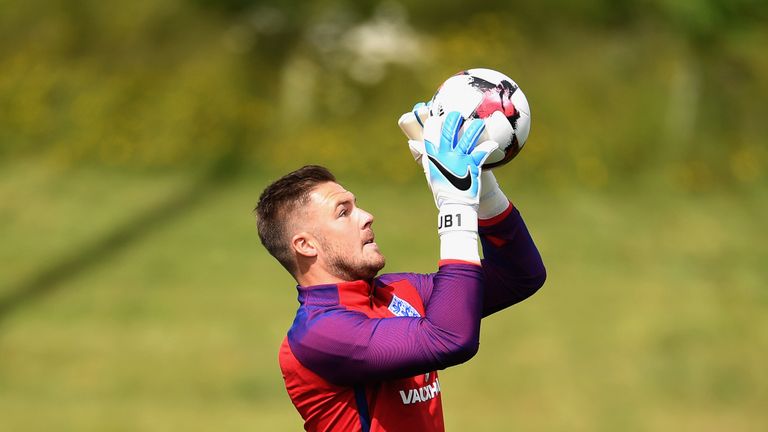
<point>349,270</point>
<point>344,267</point>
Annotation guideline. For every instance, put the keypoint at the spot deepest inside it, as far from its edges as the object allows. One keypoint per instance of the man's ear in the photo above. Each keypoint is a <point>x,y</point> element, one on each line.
<point>304,244</point>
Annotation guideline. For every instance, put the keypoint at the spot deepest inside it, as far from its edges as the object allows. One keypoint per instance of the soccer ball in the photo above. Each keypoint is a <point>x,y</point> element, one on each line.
<point>492,96</point>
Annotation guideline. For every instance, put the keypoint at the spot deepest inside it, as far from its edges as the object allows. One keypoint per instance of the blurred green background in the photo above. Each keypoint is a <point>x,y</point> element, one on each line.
<point>135,138</point>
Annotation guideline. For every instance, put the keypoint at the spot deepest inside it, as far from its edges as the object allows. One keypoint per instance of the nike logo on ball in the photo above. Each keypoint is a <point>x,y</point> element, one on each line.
<point>460,183</point>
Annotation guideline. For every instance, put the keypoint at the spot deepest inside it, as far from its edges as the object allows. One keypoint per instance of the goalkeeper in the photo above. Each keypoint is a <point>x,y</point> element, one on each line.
<point>364,350</point>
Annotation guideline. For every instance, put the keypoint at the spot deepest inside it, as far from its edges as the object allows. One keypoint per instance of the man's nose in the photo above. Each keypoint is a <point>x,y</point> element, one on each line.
<point>365,218</point>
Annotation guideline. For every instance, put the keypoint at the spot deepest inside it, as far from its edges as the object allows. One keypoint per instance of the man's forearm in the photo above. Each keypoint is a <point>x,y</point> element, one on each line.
<point>512,264</point>
<point>347,347</point>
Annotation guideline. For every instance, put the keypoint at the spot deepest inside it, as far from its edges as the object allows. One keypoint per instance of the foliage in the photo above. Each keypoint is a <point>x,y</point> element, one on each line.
<point>619,90</point>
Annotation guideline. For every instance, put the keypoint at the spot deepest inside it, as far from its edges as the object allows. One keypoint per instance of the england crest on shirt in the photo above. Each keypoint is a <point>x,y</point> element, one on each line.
<point>402,308</point>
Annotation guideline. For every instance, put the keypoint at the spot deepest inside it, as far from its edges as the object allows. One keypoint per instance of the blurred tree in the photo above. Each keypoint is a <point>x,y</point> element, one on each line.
<point>618,88</point>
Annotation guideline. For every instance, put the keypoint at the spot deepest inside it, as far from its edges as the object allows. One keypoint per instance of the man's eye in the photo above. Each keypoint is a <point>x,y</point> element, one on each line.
<point>343,213</point>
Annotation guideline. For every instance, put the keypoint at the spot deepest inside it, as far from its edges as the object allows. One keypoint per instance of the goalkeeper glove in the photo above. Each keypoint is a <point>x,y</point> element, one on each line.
<point>412,123</point>
<point>452,166</point>
<point>492,200</point>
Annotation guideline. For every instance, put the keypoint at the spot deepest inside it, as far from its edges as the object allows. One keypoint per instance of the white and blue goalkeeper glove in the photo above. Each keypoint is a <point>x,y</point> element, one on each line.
<point>492,200</point>
<point>452,163</point>
<point>452,166</point>
<point>412,124</point>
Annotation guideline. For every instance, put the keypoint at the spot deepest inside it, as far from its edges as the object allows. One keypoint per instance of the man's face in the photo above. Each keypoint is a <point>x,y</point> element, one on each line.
<point>343,231</point>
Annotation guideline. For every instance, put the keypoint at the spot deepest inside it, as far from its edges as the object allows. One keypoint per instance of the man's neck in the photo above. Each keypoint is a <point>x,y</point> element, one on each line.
<point>318,277</point>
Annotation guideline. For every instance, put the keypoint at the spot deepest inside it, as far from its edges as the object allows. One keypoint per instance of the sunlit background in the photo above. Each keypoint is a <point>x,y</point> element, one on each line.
<point>135,138</point>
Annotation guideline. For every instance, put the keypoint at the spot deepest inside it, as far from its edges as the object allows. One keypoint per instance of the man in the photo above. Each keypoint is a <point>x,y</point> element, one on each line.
<point>364,350</point>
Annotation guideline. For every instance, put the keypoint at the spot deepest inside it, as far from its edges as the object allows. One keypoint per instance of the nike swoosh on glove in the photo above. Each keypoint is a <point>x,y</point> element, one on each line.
<point>452,164</point>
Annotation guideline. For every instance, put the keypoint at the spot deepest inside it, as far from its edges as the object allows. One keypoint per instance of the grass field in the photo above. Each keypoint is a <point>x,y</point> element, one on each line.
<point>654,316</point>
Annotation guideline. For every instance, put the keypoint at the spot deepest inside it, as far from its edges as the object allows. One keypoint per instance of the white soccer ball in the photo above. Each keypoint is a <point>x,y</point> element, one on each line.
<point>494,97</point>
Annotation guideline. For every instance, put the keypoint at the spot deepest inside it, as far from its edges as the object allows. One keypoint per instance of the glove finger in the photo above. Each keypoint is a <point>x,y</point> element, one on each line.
<point>471,135</point>
<point>432,127</point>
<point>429,148</point>
<point>417,149</point>
<point>498,127</point>
<point>421,112</point>
<point>411,126</point>
<point>482,151</point>
<point>450,133</point>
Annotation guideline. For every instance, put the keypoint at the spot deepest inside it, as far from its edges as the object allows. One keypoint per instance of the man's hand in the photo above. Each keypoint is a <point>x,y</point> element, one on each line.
<point>412,124</point>
<point>492,199</point>
<point>452,164</point>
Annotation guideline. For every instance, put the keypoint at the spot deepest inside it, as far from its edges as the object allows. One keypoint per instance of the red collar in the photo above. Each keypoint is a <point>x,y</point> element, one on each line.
<point>357,293</point>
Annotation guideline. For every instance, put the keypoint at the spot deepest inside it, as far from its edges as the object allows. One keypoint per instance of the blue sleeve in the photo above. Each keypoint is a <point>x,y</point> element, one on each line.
<point>512,265</point>
<point>347,347</point>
